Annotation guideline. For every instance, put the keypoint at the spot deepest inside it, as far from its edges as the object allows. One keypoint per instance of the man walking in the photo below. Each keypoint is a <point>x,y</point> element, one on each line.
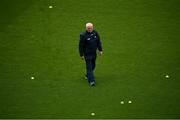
<point>88,45</point>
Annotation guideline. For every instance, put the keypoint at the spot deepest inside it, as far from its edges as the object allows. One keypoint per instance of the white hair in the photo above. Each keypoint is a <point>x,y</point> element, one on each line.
<point>89,24</point>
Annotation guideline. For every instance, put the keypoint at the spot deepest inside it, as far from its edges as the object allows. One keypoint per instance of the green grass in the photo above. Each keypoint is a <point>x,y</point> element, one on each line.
<point>141,45</point>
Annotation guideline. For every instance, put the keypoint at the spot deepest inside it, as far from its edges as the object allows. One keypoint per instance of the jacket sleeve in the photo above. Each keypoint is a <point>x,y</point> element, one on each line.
<point>99,45</point>
<point>81,45</point>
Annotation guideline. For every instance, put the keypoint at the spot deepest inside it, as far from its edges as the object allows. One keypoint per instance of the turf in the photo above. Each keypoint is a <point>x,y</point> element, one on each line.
<point>141,45</point>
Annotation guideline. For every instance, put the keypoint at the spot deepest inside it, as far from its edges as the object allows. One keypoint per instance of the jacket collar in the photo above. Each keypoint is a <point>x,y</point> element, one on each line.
<point>89,32</point>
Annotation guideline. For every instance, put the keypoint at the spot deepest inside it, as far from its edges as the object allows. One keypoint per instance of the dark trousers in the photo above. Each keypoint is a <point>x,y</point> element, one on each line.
<point>90,66</point>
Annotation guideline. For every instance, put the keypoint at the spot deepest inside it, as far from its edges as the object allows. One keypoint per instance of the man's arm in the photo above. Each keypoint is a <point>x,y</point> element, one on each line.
<point>81,45</point>
<point>99,45</point>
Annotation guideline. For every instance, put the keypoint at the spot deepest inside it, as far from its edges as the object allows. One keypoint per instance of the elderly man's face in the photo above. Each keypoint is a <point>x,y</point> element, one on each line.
<point>89,28</point>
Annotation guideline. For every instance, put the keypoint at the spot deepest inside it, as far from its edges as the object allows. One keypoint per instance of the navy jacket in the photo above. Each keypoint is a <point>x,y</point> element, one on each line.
<point>89,43</point>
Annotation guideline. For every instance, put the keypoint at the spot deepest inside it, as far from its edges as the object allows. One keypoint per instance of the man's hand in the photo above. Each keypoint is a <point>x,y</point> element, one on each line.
<point>82,57</point>
<point>100,53</point>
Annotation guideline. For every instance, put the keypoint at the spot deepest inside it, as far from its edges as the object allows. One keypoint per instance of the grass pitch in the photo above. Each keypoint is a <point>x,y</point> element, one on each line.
<point>39,39</point>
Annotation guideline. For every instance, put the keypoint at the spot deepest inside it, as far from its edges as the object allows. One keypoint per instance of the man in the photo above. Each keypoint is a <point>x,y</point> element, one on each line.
<point>88,45</point>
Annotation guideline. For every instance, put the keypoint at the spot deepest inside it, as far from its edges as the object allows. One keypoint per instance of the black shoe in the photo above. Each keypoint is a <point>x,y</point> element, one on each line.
<point>92,84</point>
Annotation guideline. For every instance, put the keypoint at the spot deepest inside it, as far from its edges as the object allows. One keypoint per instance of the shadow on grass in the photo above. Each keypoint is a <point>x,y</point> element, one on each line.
<point>10,9</point>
